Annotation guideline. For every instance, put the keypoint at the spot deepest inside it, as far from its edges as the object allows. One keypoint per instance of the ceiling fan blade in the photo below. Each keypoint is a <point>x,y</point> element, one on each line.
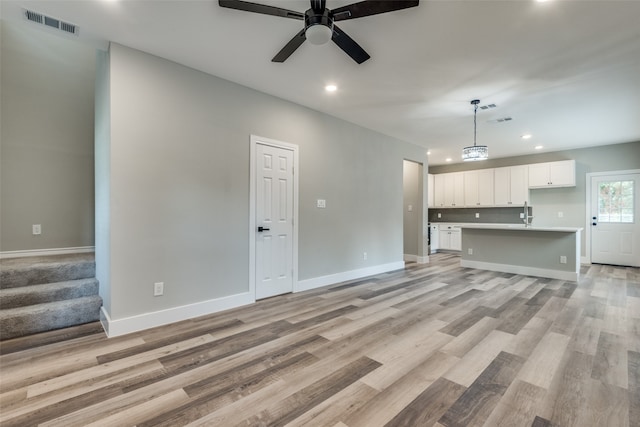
<point>290,47</point>
<point>260,8</point>
<point>371,7</point>
<point>349,46</point>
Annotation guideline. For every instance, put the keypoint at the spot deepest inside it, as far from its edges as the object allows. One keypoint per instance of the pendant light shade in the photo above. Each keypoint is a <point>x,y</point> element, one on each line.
<point>475,152</point>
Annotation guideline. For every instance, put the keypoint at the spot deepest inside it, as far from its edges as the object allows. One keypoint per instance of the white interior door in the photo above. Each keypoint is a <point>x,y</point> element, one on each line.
<point>615,219</point>
<point>274,210</point>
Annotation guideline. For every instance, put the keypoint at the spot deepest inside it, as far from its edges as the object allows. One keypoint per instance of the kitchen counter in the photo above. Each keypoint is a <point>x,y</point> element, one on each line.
<point>520,227</point>
<point>552,252</point>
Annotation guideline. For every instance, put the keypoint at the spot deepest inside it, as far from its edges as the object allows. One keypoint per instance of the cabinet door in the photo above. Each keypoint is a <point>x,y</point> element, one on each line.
<point>454,189</point>
<point>430,190</point>
<point>562,173</point>
<point>471,188</point>
<point>539,175</point>
<point>435,238</point>
<point>438,190</point>
<point>501,186</point>
<point>455,242</point>
<point>458,189</point>
<point>444,241</point>
<point>519,192</point>
<point>485,187</point>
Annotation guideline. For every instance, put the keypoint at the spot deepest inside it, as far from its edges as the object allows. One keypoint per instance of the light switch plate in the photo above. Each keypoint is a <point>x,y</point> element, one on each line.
<point>321,203</point>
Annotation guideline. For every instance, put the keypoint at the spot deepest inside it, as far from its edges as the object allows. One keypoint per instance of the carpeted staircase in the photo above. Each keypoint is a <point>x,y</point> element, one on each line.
<point>39,294</point>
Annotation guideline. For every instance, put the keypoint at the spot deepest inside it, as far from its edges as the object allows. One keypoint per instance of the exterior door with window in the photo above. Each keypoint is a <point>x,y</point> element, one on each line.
<point>615,223</point>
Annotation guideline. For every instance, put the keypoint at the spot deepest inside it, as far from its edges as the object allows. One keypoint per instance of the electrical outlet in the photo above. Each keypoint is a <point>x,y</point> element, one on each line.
<point>560,214</point>
<point>470,251</point>
<point>364,256</point>
<point>158,289</point>
<point>521,215</point>
<point>477,214</point>
<point>410,208</point>
<point>439,215</point>
<point>563,259</point>
<point>36,229</point>
<point>321,203</point>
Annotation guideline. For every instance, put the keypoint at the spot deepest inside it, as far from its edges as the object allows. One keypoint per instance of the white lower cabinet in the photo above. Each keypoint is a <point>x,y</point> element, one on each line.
<point>450,238</point>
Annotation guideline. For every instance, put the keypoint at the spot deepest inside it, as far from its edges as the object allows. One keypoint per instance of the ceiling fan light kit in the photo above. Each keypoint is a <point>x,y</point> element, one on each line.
<point>319,25</point>
<point>318,28</point>
<point>475,152</point>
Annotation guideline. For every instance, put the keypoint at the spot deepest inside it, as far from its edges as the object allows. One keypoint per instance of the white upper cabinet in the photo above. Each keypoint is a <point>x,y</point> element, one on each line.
<point>430,190</point>
<point>511,186</point>
<point>454,189</point>
<point>478,188</point>
<point>553,174</point>
<point>449,190</point>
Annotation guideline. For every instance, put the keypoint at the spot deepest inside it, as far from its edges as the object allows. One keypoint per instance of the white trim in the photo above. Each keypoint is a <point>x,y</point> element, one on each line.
<point>252,206</point>
<point>127,325</point>
<point>519,269</point>
<point>587,228</point>
<point>585,260</point>
<point>46,252</point>
<point>416,258</point>
<point>317,282</point>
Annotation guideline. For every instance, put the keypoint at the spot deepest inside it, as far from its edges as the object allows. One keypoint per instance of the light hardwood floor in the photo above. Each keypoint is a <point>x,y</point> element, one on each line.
<point>430,345</point>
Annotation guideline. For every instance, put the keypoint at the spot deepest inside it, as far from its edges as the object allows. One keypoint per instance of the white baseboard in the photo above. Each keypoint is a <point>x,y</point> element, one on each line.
<point>118,327</point>
<point>47,252</point>
<point>519,269</point>
<point>318,282</point>
<point>416,258</point>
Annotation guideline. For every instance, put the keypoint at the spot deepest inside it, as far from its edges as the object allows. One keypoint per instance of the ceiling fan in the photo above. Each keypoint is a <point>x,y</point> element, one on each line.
<point>319,25</point>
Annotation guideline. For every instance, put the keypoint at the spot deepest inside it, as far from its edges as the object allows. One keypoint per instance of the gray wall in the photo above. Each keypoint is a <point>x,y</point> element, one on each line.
<point>412,195</point>
<point>46,140</point>
<point>571,201</point>
<point>178,206</point>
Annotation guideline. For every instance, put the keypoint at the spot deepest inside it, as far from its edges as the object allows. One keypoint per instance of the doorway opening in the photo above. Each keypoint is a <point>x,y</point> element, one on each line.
<point>415,229</point>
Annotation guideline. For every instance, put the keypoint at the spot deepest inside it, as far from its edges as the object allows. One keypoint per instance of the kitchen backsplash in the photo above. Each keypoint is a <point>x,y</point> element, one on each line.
<point>487,215</point>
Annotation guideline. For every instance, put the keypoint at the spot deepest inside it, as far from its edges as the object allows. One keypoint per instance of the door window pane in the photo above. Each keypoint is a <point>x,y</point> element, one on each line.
<point>615,201</point>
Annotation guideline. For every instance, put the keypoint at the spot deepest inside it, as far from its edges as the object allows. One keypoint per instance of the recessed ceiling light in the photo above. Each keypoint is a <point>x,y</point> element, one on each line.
<point>538,147</point>
<point>526,136</point>
<point>428,153</point>
<point>448,159</point>
<point>331,88</point>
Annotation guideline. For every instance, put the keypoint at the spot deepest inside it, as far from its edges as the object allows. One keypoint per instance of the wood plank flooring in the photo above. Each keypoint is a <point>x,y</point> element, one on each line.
<point>430,345</point>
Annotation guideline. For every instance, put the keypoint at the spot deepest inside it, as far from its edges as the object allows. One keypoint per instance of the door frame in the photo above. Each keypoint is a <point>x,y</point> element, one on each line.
<point>588,213</point>
<point>254,141</point>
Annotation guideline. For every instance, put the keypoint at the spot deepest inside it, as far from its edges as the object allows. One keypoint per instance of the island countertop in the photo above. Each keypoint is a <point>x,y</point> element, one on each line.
<point>520,227</point>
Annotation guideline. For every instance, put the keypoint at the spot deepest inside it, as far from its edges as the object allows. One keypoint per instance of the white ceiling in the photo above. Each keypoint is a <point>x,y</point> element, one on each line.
<point>568,72</point>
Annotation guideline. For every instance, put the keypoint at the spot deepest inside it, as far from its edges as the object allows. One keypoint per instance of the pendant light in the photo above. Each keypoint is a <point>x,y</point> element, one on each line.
<point>475,152</point>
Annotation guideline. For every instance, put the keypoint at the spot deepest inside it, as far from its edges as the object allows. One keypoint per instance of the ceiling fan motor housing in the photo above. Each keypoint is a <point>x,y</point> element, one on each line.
<point>318,26</point>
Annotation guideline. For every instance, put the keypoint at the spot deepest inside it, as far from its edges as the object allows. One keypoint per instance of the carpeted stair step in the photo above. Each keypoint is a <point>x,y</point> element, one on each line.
<point>20,321</point>
<point>49,292</point>
<point>50,269</point>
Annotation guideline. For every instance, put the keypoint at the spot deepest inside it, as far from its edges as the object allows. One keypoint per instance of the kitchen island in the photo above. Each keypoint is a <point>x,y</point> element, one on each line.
<point>552,252</point>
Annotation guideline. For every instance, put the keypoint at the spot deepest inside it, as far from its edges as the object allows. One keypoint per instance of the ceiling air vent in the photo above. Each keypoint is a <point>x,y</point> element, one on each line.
<point>500,120</point>
<point>488,106</point>
<point>50,22</point>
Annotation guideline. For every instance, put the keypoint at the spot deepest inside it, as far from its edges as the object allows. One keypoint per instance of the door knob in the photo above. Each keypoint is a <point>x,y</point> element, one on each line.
<point>594,223</point>
<point>261,229</point>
